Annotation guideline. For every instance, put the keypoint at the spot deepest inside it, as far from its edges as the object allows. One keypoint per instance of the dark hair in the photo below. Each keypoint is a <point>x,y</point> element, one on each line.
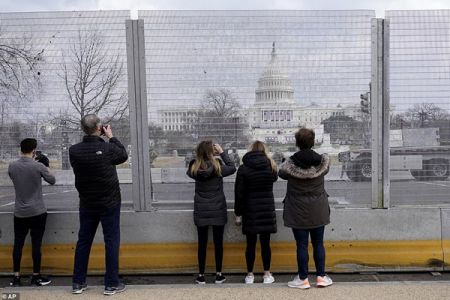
<point>304,138</point>
<point>204,153</point>
<point>28,145</point>
<point>89,123</point>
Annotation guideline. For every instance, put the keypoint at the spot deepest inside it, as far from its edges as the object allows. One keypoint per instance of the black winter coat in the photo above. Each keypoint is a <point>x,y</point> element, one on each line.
<point>253,191</point>
<point>306,202</point>
<point>94,165</point>
<point>210,207</point>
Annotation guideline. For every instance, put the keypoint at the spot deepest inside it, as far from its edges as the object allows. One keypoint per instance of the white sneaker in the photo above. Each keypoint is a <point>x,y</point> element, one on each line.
<point>299,284</point>
<point>267,279</point>
<point>323,281</point>
<point>249,279</point>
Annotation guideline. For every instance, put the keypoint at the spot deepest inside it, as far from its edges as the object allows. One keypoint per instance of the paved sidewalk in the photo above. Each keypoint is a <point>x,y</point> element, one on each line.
<point>423,290</point>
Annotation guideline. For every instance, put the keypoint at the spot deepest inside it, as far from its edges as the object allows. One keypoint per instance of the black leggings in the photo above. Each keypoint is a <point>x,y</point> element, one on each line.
<point>203,242</point>
<point>36,226</point>
<point>266,253</point>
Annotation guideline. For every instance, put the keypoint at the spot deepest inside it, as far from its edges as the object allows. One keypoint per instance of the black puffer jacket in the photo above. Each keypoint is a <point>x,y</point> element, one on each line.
<point>94,165</point>
<point>254,194</point>
<point>306,202</point>
<point>210,207</point>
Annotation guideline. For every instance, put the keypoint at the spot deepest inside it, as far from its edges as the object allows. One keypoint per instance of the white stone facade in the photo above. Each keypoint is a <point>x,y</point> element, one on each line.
<point>178,119</point>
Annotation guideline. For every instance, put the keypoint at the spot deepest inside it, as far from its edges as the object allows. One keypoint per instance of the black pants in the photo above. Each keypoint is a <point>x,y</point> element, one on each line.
<point>202,245</point>
<point>36,226</point>
<point>266,253</point>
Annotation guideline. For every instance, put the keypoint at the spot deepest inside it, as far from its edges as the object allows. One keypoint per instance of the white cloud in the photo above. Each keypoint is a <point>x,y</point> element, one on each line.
<point>379,5</point>
<point>47,5</point>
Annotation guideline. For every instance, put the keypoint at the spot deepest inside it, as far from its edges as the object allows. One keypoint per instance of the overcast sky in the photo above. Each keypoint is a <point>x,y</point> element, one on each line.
<point>379,5</point>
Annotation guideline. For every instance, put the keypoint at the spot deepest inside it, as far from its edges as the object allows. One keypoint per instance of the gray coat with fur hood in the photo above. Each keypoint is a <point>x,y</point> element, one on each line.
<point>306,202</point>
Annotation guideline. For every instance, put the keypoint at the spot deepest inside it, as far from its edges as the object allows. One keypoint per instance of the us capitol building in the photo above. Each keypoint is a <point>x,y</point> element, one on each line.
<point>275,115</point>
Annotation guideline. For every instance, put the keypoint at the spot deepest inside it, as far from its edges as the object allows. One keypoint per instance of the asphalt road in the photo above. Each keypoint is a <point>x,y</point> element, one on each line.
<point>180,195</point>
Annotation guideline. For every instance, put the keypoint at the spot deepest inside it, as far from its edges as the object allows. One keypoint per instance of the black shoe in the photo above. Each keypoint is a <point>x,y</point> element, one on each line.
<point>220,278</point>
<point>15,281</point>
<point>78,288</point>
<point>39,280</point>
<point>111,290</point>
<point>200,279</point>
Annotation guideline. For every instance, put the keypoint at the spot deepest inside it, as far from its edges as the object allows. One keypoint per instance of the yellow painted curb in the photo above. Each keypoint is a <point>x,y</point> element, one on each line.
<point>446,254</point>
<point>341,256</point>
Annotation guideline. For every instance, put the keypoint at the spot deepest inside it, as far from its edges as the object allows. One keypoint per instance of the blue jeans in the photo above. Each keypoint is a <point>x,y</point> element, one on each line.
<point>89,220</point>
<point>301,238</point>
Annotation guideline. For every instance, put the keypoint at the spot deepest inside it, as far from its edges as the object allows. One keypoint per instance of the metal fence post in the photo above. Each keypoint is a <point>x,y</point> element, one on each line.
<point>386,118</point>
<point>137,95</point>
<point>380,115</point>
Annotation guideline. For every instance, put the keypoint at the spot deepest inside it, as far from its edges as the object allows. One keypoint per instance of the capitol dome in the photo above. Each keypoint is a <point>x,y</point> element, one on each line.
<point>274,87</point>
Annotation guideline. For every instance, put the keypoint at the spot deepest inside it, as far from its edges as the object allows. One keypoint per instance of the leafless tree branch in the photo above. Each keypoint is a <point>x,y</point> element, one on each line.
<point>91,78</point>
<point>19,74</point>
<point>424,113</point>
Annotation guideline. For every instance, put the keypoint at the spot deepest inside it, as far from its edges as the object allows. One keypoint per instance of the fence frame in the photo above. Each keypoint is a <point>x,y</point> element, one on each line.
<point>379,102</point>
<point>137,96</point>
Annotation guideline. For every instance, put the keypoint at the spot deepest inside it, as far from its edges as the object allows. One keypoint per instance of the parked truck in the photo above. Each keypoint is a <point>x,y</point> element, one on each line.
<point>415,150</point>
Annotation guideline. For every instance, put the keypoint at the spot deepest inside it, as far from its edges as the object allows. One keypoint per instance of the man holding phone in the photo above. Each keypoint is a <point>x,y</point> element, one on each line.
<point>30,212</point>
<point>94,165</point>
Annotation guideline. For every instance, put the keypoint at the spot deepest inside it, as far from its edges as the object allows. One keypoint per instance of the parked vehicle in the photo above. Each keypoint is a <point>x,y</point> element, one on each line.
<point>423,162</point>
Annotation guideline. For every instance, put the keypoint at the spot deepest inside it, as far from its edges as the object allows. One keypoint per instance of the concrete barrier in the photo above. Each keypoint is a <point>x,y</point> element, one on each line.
<point>66,177</point>
<point>178,175</point>
<point>445,229</point>
<point>396,239</point>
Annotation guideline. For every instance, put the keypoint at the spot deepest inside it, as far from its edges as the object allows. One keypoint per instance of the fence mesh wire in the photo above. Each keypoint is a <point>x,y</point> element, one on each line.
<point>419,94</point>
<point>233,77</point>
<point>56,67</point>
<point>239,76</point>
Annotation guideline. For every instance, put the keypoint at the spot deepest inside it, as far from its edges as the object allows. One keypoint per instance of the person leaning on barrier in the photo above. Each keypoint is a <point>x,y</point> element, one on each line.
<point>94,164</point>
<point>30,212</point>
<point>306,208</point>
<point>210,207</point>
<point>254,206</point>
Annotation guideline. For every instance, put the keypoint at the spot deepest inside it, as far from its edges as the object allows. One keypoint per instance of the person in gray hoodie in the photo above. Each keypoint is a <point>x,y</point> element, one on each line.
<point>210,207</point>
<point>30,213</point>
<point>306,208</point>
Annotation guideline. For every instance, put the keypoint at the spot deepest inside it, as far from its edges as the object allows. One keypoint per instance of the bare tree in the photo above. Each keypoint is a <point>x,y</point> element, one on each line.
<point>220,118</point>
<point>399,121</point>
<point>91,76</point>
<point>424,113</point>
<point>221,103</point>
<point>19,74</point>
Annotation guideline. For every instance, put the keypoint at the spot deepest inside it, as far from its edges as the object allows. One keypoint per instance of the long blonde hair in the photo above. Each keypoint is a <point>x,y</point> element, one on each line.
<point>204,153</point>
<point>260,146</point>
